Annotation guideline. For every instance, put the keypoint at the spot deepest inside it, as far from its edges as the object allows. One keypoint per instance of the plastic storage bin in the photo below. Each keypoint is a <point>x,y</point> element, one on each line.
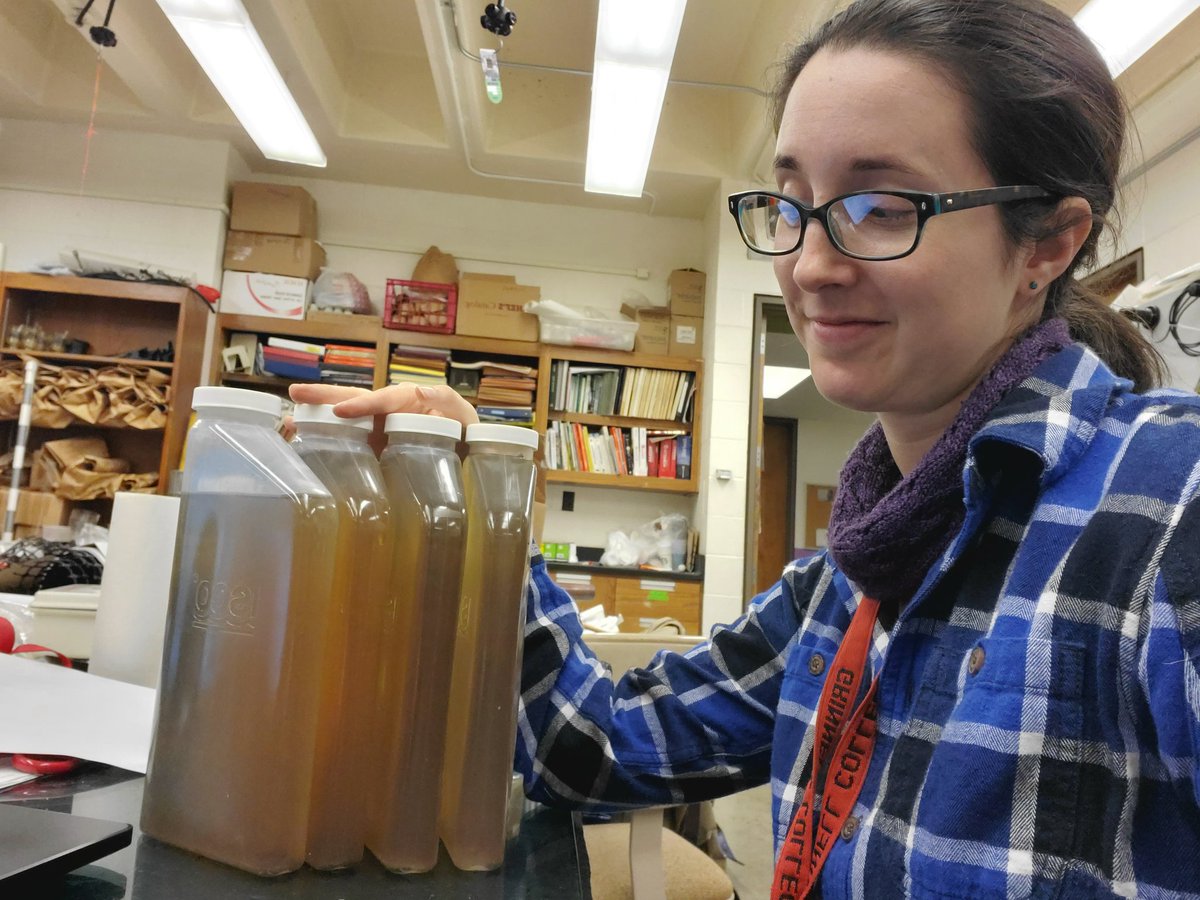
<point>558,324</point>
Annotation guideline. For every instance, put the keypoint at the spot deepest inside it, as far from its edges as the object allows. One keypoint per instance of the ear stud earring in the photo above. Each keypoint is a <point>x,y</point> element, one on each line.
<point>1033,285</point>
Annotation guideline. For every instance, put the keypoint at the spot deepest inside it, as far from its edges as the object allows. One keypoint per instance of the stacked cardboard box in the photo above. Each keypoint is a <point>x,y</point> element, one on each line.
<point>35,509</point>
<point>271,253</point>
<point>685,298</point>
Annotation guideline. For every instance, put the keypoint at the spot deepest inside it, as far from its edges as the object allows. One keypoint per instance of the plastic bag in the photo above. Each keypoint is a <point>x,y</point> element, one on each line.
<point>620,550</point>
<point>341,292</point>
<point>661,544</point>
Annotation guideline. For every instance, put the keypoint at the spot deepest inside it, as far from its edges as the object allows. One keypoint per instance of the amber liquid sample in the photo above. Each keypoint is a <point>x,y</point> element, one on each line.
<point>231,763</point>
<point>345,765</point>
<point>481,736</point>
<point>429,524</point>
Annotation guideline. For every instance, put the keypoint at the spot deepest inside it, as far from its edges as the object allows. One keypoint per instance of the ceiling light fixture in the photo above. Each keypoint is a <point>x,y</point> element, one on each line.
<point>223,39</point>
<point>778,380</point>
<point>635,44</point>
<point>1123,31</point>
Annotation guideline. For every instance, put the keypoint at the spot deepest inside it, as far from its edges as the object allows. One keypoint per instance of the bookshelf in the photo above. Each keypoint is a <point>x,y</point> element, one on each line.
<point>113,317</point>
<point>542,356</point>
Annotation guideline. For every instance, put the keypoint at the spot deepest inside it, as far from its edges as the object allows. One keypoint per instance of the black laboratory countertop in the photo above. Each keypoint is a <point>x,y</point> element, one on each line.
<point>547,861</point>
<point>589,563</point>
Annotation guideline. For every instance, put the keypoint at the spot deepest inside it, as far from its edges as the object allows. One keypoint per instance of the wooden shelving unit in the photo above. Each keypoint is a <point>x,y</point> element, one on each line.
<point>115,317</point>
<point>540,355</point>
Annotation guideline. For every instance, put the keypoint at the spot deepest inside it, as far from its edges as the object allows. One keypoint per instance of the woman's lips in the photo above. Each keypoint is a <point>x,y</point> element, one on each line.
<point>843,332</point>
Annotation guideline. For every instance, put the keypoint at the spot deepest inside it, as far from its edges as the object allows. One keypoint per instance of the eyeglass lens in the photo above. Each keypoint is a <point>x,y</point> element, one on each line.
<point>866,225</point>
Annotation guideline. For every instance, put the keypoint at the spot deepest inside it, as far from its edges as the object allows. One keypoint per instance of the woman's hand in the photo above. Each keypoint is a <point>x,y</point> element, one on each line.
<point>351,403</point>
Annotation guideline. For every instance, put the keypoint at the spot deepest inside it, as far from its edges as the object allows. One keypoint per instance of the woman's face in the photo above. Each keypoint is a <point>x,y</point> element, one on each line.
<point>912,336</point>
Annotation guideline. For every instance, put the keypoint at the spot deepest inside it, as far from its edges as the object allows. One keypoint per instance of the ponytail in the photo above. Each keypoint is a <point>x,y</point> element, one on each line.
<point>1115,339</point>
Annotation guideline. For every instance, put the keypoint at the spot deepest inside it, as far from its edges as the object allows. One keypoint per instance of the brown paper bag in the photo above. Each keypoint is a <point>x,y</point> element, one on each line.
<point>12,380</point>
<point>48,410</point>
<point>43,471</point>
<point>148,405</point>
<point>437,267</point>
<point>81,395</point>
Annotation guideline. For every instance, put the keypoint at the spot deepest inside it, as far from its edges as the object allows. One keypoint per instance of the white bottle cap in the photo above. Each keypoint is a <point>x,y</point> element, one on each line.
<point>237,398</point>
<point>416,423</point>
<point>503,434</point>
<point>323,414</point>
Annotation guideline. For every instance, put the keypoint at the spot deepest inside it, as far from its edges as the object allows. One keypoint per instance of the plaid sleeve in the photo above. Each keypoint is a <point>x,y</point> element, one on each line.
<point>1169,664</point>
<point>689,727</point>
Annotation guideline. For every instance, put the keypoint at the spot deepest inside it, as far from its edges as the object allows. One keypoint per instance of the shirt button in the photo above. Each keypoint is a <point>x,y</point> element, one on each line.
<point>849,827</point>
<point>816,664</point>
<point>975,660</point>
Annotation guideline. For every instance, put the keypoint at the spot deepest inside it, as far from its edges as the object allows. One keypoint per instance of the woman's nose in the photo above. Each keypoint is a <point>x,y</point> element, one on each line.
<point>817,263</point>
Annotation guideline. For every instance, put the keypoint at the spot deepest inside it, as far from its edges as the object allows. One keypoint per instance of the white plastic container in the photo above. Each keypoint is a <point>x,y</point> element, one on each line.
<point>558,324</point>
<point>64,618</point>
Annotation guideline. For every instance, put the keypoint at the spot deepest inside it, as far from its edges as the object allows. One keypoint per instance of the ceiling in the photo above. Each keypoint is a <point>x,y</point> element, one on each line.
<point>394,96</point>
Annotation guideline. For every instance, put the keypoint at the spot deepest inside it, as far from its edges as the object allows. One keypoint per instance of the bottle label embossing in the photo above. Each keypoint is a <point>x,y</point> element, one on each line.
<point>220,606</point>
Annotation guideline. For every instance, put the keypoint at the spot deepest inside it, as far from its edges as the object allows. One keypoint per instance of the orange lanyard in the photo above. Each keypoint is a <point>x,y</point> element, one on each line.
<point>852,740</point>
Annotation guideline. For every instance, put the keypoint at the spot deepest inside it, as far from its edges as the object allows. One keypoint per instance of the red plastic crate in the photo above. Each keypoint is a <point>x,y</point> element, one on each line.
<point>420,306</point>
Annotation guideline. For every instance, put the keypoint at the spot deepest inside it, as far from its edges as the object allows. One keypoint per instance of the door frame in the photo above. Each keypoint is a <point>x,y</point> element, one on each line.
<point>758,355</point>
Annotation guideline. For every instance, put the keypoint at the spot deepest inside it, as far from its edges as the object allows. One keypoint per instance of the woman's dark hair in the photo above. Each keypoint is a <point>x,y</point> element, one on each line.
<point>1046,112</point>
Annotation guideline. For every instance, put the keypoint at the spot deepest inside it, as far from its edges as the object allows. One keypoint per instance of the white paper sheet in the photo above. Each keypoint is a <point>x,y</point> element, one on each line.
<point>49,709</point>
<point>10,777</point>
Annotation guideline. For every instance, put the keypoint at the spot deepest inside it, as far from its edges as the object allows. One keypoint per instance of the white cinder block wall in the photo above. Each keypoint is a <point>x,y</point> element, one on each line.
<point>733,280</point>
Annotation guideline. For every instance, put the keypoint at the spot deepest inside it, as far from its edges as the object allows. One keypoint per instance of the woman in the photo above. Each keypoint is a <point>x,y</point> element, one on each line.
<point>996,662</point>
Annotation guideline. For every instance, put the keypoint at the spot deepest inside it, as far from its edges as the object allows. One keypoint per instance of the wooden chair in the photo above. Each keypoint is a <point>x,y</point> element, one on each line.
<point>641,859</point>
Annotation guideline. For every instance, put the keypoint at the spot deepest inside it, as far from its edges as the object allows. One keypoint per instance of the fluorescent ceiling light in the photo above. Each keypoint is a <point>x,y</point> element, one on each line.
<point>635,44</point>
<point>1123,30</point>
<point>223,39</point>
<point>778,380</point>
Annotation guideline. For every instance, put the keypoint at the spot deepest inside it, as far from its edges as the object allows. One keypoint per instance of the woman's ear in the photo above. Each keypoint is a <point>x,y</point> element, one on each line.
<point>1051,256</point>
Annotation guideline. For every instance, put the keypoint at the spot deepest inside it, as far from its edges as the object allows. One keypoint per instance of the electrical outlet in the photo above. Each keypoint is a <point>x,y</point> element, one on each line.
<point>568,501</point>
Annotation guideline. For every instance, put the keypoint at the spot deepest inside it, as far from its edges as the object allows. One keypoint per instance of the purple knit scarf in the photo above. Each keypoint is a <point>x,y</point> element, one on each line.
<point>885,531</point>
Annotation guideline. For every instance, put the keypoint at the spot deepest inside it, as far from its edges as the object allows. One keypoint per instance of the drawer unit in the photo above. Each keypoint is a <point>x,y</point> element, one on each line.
<point>640,601</point>
<point>588,590</point>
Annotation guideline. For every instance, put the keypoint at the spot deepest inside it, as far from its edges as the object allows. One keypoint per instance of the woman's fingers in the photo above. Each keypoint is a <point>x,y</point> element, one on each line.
<point>352,403</point>
<point>436,400</point>
<point>323,393</point>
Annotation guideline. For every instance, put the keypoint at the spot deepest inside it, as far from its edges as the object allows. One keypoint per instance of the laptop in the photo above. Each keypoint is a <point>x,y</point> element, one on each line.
<point>36,844</point>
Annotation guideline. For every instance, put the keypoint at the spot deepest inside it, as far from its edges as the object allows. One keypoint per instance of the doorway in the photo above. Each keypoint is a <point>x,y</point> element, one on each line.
<point>777,503</point>
<point>797,443</point>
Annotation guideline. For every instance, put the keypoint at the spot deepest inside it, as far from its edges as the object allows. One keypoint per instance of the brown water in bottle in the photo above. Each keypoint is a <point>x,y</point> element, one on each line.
<point>429,522</point>
<point>346,767</point>
<point>481,736</point>
<point>231,763</point>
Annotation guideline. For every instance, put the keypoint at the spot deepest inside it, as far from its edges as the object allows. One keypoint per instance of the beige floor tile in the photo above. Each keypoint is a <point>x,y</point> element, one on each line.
<point>746,820</point>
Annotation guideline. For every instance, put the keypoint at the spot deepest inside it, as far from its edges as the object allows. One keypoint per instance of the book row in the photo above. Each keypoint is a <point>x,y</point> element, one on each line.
<point>609,450</point>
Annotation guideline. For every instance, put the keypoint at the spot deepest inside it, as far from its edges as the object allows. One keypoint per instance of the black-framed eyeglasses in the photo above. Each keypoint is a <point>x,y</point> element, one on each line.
<point>867,225</point>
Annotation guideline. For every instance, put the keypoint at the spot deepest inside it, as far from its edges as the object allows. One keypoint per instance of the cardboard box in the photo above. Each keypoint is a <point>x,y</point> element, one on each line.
<point>317,315</point>
<point>493,306</point>
<point>687,336</point>
<point>261,294</point>
<point>654,328</point>
<point>38,508</point>
<point>272,209</point>
<point>685,293</point>
<point>275,254</point>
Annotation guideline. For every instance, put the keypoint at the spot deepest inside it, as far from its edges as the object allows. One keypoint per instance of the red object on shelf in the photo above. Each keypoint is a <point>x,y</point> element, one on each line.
<point>420,306</point>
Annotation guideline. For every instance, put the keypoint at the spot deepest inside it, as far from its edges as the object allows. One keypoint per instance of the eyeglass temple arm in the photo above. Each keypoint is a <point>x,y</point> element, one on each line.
<point>944,203</point>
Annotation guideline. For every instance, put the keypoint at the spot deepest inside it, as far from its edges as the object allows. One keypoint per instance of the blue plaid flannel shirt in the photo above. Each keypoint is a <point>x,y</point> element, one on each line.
<point>1065,764</point>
